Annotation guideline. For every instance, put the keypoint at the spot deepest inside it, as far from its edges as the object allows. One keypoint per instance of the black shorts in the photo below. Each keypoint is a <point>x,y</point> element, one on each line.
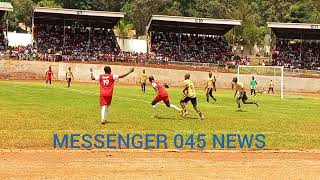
<point>69,79</point>
<point>243,96</point>
<point>187,99</point>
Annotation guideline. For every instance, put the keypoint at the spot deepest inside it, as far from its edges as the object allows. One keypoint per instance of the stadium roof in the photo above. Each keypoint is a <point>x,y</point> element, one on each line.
<point>5,6</point>
<point>295,30</point>
<point>69,16</point>
<point>192,25</point>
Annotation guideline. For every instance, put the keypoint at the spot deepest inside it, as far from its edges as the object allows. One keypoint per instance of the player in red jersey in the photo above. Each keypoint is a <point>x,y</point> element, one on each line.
<point>106,82</point>
<point>49,76</point>
<point>162,95</point>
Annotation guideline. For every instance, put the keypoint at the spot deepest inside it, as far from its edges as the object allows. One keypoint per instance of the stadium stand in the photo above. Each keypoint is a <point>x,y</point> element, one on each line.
<point>4,7</point>
<point>190,39</point>
<point>297,45</point>
<point>71,34</point>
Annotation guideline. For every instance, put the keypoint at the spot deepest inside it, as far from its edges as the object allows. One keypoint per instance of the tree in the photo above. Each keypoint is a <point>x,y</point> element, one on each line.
<point>208,8</point>
<point>49,3</point>
<point>123,29</point>
<point>173,9</point>
<point>299,12</point>
<point>22,12</point>
<point>252,34</point>
<point>139,12</point>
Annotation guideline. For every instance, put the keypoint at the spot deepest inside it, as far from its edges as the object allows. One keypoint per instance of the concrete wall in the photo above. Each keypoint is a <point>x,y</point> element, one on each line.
<point>36,70</point>
<point>132,45</point>
<point>19,39</point>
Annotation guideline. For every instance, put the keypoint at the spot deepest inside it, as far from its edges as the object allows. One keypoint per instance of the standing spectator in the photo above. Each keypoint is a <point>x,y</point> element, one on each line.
<point>253,86</point>
<point>271,86</point>
<point>69,75</point>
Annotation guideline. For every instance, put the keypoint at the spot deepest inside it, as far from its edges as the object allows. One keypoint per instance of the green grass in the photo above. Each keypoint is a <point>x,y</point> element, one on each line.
<point>31,113</point>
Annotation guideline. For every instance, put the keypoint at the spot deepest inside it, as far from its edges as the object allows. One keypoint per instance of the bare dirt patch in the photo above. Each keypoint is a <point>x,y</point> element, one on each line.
<point>57,164</point>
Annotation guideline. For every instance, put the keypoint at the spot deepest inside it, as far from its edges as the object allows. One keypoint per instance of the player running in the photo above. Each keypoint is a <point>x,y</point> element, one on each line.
<point>210,88</point>
<point>162,95</point>
<point>106,81</point>
<point>189,95</point>
<point>143,80</point>
<point>49,76</point>
<point>242,93</point>
<point>69,75</point>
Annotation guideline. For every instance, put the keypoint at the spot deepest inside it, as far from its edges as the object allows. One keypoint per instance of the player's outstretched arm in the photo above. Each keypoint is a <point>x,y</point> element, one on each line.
<point>124,75</point>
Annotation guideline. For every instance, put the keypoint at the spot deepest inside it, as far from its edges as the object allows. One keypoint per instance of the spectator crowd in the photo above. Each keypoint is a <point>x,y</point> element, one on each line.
<point>297,55</point>
<point>78,43</point>
<point>190,47</point>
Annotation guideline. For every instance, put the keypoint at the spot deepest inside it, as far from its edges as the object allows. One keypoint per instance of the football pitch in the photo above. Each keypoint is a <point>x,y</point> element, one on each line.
<point>31,113</point>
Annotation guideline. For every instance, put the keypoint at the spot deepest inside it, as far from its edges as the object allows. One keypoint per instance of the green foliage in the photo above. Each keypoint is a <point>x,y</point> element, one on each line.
<point>49,3</point>
<point>22,12</point>
<point>123,28</point>
<point>299,12</point>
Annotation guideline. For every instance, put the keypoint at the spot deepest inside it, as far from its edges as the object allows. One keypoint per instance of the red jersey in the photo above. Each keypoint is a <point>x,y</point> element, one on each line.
<point>49,74</point>
<point>106,84</point>
<point>161,90</point>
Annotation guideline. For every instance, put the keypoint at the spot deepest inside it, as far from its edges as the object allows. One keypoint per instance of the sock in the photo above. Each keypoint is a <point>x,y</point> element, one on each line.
<point>156,110</point>
<point>175,107</point>
<point>104,113</point>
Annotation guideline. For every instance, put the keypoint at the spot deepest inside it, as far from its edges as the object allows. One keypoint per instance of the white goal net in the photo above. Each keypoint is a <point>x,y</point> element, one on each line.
<point>263,75</point>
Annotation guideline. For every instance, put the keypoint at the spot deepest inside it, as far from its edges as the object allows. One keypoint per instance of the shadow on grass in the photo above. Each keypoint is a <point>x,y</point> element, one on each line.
<point>112,122</point>
<point>242,111</point>
<point>159,117</point>
<point>191,118</point>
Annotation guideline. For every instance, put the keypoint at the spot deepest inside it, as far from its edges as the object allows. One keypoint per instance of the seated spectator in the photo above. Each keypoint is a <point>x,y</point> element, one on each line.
<point>190,47</point>
<point>304,55</point>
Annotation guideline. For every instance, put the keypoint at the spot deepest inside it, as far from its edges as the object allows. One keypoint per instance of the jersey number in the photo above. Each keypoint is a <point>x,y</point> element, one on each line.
<point>106,82</point>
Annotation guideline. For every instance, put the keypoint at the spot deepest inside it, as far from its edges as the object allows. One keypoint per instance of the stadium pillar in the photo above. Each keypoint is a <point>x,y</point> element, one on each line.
<point>149,38</point>
<point>64,33</point>
<point>271,41</point>
<point>89,40</point>
<point>300,57</point>
<point>179,39</point>
<point>282,82</point>
<point>233,38</point>
<point>32,30</point>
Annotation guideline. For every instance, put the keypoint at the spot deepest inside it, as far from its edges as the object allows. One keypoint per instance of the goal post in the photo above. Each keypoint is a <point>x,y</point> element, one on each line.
<point>275,71</point>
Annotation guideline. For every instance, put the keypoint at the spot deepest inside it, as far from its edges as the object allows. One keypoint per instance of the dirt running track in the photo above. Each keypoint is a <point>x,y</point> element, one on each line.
<point>64,164</point>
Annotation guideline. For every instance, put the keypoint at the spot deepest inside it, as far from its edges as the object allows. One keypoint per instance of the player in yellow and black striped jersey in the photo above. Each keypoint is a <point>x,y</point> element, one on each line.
<point>210,87</point>
<point>189,95</point>
<point>242,93</point>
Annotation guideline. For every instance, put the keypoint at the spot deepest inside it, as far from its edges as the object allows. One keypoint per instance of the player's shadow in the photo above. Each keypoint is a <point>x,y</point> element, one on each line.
<point>191,118</point>
<point>159,117</point>
<point>112,122</point>
<point>242,111</point>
